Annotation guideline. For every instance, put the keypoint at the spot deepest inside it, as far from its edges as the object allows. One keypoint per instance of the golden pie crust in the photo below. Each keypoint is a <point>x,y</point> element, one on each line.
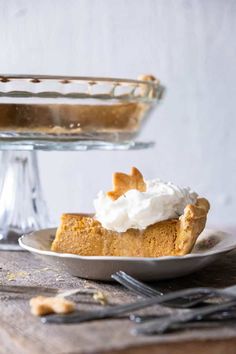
<point>41,305</point>
<point>123,183</point>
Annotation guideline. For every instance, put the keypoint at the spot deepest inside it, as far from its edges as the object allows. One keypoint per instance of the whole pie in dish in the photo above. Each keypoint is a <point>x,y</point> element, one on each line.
<point>70,108</point>
<point>137,219</point>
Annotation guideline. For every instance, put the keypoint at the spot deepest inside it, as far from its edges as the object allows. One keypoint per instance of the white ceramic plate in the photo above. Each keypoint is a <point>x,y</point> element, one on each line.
<point>210,246</point>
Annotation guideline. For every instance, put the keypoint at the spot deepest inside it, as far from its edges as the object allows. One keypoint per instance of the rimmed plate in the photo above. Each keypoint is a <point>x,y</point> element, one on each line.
<point>210,246</point>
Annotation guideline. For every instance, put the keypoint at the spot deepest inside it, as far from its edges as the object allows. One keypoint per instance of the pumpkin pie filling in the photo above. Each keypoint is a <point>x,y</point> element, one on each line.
<point>71,119</point>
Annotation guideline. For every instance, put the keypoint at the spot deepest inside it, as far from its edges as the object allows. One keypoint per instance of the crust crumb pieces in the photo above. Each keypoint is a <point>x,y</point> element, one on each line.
<point>147,77</point>
<point>42,305</point>
<point>100,297</point>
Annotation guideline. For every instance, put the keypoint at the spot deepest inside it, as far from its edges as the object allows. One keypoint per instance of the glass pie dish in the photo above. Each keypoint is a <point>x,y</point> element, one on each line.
<point>60,113</point>
<point>70,109</point>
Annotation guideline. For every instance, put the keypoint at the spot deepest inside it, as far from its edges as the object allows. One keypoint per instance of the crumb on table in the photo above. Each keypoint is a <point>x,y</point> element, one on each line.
<point>100,297</point>
<point>42,305</point>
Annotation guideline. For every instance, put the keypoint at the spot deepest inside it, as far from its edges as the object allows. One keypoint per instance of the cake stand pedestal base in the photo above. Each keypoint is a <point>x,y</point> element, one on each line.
<point>22,208</point>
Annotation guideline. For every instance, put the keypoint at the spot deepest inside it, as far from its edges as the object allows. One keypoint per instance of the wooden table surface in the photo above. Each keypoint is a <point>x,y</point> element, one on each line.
<point>20,332</point>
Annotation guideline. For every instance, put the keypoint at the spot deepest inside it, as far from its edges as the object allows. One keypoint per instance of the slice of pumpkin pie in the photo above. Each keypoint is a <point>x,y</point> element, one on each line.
<point>137,219</point>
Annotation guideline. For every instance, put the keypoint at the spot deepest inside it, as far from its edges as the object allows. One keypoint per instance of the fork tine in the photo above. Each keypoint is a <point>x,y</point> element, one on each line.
<point>141,284</point>
<point>128,285</point>
<point>148,290</point>
<point>135,287</point>
<point>132,286</point>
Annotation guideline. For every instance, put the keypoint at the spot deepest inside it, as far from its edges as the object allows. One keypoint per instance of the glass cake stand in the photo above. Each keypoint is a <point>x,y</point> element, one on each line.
<point>60,114</point>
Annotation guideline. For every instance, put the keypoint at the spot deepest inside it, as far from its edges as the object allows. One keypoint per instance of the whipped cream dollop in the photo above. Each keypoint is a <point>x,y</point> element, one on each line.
<point>137,210</point>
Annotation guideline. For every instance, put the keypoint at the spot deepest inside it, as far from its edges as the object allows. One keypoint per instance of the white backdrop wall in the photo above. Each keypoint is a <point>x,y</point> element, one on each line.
<point>189,44</point>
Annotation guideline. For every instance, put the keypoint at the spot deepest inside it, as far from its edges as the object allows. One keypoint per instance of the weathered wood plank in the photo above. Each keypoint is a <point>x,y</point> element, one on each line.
<point>23,333</point>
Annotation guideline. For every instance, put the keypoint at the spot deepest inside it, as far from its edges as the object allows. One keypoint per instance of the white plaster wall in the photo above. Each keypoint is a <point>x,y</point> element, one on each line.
<point>189,45</point>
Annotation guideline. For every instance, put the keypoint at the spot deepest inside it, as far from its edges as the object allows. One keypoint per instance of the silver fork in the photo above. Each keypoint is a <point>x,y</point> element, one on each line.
<point>228,315</point>
<point>144,290</point>
<point>180,320</point>
<point>116,311</point>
